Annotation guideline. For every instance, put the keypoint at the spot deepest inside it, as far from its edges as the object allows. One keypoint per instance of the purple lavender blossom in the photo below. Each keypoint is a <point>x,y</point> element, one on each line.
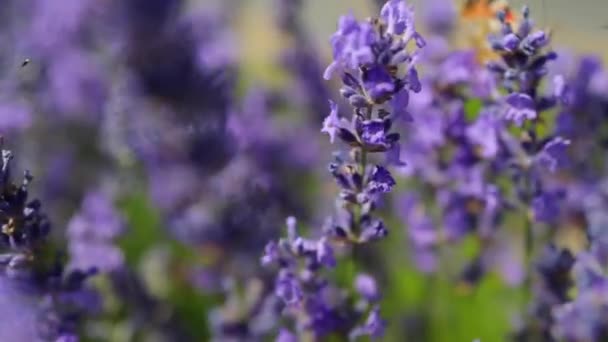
<point>553,154</point>
<point>519,108</point>
<point>332,123</point>
<point>373,327</point>
<point>285,336</point>
<point>545,207</point>
<point>377,72</point>
<point>91,233</point>
<point>523,61</point>
<point>484,134</point>
<point>381,180</point>
<point>58,296</point>
<point>367,287</point>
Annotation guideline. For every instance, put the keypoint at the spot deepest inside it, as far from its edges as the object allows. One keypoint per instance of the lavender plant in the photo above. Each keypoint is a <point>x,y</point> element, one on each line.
<point>135,112</point>
<point>377,71</point>
<point>33,271</point>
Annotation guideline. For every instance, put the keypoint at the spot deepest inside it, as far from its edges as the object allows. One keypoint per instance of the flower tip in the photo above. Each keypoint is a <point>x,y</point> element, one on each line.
<point>329,71</point>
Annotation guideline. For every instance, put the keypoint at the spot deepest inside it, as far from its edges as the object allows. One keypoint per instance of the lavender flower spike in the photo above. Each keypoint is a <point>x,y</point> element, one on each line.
<point>377,72</point>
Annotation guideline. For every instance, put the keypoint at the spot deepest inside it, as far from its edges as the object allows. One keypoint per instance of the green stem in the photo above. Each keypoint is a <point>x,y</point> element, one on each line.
<point>528,250</point>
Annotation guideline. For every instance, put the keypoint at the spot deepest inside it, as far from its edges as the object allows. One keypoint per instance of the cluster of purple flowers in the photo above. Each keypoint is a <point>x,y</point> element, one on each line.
<point>53,296</point>
<point>140,100</point>
<point>375,62</point>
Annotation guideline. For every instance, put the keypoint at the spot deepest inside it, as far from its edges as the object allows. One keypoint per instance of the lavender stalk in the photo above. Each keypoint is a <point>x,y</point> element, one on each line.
<point>377,72</point>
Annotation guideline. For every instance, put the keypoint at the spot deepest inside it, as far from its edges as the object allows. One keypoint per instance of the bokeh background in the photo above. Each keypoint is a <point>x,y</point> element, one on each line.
<point>197,124</point>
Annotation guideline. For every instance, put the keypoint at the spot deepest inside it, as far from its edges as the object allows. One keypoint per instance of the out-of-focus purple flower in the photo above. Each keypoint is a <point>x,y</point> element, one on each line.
<point>285,336</point>
<point>58,296</point>
<point>23,223</point>
<point>519,108</point>
<point>560,89</point>
<point>429,128</point>
<point>399,105</point>
<point>421,228</point>
<point>288,289</point>
<point>523,63</point>
<point>332,123</point>
<point>583,319</point>
<point>553,154</point>
<point>599,85</point>
<point>545,207</point>
<point>47,33</point>
<point>325,253</point>
<point>18,313</point>
<point>91,233</point>
<point>14,116</point>
<point>483,133</point>
<point>554,265</point>
<point>373,327</point>
<point>271,253</point>
<point>77,85</point>
<point>367,287</point>
<point>421,231</point>
<point>439,16</point>
<point>399,18</point>
<point>587,271</point>
<point>372,229</point>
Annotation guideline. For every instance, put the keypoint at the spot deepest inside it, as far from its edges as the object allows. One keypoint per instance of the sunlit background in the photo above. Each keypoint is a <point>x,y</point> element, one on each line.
<point>170,140</point>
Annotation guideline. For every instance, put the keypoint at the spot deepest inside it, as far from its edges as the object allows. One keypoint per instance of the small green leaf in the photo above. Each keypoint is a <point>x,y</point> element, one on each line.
<point>472,108</point>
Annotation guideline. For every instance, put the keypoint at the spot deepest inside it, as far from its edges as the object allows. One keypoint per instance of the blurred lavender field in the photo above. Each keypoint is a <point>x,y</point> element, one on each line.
<point>303,170</point>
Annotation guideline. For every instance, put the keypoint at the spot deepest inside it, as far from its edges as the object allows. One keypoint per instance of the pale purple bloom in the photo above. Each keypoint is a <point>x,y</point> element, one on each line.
<point>545,207</point>
<point>534,42</point>
<point>425,259</point>
<point>271,253</point>
<point>373,327</point>
<point>429,127</point>
<point>332,123</point>
<point>484,134</point>
<point>510,42</point>
<point>399,18</point>
<point>288,288</point>
<point>393,157</point>
<point>47,33</point>
<point>519,108</point>
<point>372,229</point>
<point>325,253</point>
<point>367,287</point>
<point>588,271</point>
<point>351,45</point>
<point>18,312</point>
<point>399,105</point>
<point>440,16</point>
<point>560,89</point>
<point>91,233</point>
<point>285,336</point>
<point>553,154</point>
<point>599,84</point>
<point>14,116</point>
<point>77,85</point>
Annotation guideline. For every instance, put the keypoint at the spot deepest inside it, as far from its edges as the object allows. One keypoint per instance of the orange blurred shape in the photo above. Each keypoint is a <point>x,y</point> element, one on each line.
<point>486,9</point>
